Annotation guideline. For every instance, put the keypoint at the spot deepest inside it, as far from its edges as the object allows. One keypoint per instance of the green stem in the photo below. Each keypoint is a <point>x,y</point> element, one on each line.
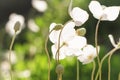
<point>102,60</point>
<point>10,49</point>
<point>70,6</point>
<point>93,71</point>
<point>60,76</point>
<point>78,70</point>
<point>119,76</point>
<point>109,67</point>
<point>59,46</point>
<point>47,53</point>
<point>96,45</point>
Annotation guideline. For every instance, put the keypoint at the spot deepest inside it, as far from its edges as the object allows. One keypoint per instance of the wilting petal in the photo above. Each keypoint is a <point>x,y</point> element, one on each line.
<point>79,16</point>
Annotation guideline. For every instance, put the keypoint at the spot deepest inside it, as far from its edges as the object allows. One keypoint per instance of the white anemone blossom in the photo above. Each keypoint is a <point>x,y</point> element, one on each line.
<point>70,43</point>
<point>79,16</point>
<point>88,54</point>
<point>13,18</point>
<point>102,12</point>
<point>39,5</point>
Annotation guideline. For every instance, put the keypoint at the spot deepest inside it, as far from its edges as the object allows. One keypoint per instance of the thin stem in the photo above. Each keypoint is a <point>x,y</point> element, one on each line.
<point>78,70</point>
<point>0,69</point>
<point>59,46</point>
<point>119,76</point>
<point>70,6</point>
<point>109,67</point>
<point>110,52</point>
<point>47,53</point>
<point>93,71</point>
<point>60,76</point>
<point>102,60</point>
<point>96,45</point>
<point>10,49</point>
<point>56,56</point>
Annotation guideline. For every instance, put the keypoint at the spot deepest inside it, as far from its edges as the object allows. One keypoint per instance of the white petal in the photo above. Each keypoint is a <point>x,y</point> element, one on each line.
<point>79,16</point>
<point>77,42</point>
<point>68,31</point>
<point>13,18</point>
<point>52,25</point>
<point>39,5</point>
<point>96,9</point>
<point>112,13</point>
<point>61,53</point>
<point>89,53</point>
<point>54,35</point>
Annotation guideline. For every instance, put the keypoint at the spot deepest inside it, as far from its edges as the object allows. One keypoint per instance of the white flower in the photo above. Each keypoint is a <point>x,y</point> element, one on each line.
<point>5,68</point>
<point>39,5</point>
<point>67,32</point>
<point>13,18</point>
<point>102,12</point>
<point>79,16</point>
<point>88,54</point>
<point>13,57</point>
<point>33,26</point>
<point>70,44</point>
<point>24,74</point>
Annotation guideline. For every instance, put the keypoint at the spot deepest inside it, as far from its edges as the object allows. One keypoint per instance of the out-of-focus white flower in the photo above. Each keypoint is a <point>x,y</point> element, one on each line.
<point>33,26</point>
<point>88,54</point>
<point>70,43</point>
<point>13,18</point>
<point>24,74</point>
<point>79,16</point>
<point>104,13</point>
<point>4,68</point>
<point>39,5</point>
<point>13,56</point>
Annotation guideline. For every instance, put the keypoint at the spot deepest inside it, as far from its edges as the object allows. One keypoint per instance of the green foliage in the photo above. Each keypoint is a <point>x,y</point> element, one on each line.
<point>36,60</point>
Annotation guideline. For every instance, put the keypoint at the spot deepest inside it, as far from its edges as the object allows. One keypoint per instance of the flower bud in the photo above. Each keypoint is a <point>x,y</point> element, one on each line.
<point>58,27</point>
<point>59,69</point>
<point>17,26</point>
<point>81,31</point>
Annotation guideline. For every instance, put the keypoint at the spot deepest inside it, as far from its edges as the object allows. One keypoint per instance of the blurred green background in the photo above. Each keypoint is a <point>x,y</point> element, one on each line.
<point>31,59</point>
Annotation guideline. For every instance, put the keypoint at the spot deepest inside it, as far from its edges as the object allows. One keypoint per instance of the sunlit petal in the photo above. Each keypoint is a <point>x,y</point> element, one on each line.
<point>62,55</point>
<point>68,31</point>
<point>54,35</point>
<point>77,42</point>
<point>112,13</point>
<point>88,54</point>
<point>96,9</point>
<point>79,16</point>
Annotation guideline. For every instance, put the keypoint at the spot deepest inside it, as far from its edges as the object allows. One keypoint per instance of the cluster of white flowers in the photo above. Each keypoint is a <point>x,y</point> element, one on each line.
<point>67,41</point>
